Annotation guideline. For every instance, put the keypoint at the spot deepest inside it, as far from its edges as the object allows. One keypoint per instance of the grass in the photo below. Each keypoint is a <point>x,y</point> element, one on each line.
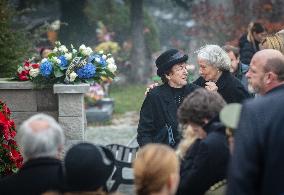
<point>127,98</point>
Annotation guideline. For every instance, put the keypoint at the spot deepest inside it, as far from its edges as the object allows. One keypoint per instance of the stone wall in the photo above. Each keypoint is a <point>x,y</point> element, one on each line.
<point>64,102</point>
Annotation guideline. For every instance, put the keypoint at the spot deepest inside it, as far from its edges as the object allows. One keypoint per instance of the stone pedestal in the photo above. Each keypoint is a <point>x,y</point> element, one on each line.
<point>71,110</point>
<point>64,102</point>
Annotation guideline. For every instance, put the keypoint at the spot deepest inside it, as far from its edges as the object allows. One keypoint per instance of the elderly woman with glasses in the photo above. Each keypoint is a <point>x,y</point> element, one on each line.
<point>214,69</point>
<point>158,120</point>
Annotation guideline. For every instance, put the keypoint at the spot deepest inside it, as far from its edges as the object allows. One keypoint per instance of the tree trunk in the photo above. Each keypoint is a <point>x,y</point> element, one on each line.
<point>138,57</point>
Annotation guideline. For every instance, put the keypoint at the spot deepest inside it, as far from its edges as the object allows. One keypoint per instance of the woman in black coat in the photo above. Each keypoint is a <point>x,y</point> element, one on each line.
<point>158,121</point>
<point>204,150</point>
<point>214,65</point>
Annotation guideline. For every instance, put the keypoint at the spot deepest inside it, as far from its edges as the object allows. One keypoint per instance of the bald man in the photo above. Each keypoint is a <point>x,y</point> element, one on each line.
<point>258,162</point>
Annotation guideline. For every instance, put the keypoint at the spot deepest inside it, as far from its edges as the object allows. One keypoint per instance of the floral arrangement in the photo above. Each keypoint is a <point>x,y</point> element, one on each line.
<point>69,66</point>
<point>10,158</point>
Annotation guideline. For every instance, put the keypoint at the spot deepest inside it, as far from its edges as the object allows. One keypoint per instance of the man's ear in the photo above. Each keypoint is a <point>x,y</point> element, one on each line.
<point>271,77</point>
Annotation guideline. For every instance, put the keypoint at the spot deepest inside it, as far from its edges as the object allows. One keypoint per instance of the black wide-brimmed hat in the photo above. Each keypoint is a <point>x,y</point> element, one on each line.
<point>87,167</point>
<point>168,59</point>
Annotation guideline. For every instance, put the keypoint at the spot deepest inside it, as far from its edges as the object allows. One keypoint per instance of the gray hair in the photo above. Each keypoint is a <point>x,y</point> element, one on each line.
<point>35,142</point>
<point>215,56</point>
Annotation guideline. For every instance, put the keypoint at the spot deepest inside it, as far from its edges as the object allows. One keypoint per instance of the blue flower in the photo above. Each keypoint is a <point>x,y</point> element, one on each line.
<point>87,71</point>
<point>63,62</point>
<point>46,68</point>
<point>98,60</point>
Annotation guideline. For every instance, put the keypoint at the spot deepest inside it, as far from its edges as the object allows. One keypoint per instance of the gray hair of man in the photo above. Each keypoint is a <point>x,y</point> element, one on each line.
<point>214,56</point>
<point>40,136</point>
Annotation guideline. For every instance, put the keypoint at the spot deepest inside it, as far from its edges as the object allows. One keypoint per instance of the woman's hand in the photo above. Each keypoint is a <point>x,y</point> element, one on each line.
<point>151,86</point>
<point>211,86</point>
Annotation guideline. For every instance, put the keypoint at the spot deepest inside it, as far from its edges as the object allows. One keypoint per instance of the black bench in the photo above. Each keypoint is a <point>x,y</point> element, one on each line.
<point>124,157</point>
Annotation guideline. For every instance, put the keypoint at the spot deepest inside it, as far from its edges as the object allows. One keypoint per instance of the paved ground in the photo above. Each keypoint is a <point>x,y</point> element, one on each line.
<point>122,130</point>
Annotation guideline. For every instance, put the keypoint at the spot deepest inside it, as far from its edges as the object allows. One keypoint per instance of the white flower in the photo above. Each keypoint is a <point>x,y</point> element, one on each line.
<point>87,51</point>
<point>82,47</point>
<point>43,60</point>
<point>73,76</point>
<point>68,56</point>
<point>58,61</point>
<point>112,67</point>
<point>104,57</point>
<point>63,48</point>
<point>110,61</point>
<point>34,72</point>
<point>20,69</point>
<point>74,51</point>
<point>55,49</point>
<point>55,59</point>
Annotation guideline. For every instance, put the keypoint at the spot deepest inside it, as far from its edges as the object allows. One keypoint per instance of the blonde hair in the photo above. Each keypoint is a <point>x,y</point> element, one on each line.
<point>189,137</point>
<point>254,27</point>
<point>152,168</point>
<point>274,42</point>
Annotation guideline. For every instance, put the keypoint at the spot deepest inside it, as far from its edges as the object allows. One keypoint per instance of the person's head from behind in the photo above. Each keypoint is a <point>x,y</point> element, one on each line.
<point>233,53</point>
<point>44,52</point>
<point>212,61</point>
<point>275,41</point>
<point>40,136</point>
<point>256,32</point>
<point>266,71</point>
<point>156,170</point>
<point>199,108</point>
<point>87,168</point>
<point>172,68</point>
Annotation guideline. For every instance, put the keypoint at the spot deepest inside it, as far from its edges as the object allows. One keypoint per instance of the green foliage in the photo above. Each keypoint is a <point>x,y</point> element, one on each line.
<point>15,45</point>
<point>127,97</point>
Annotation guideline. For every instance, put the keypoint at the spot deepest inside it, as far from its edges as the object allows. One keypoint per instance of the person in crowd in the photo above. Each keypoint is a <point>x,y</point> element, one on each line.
<point>230,116</point>
<point>156,170</point>
<point>275,41</point>
<point>204,150</point>
<point>214,69</point>
<point>87,169</point>
<point>237,68</point>
<point>44,52</point>
<point>249,42</point>
<point>40,140</point>
<point>158,123</point>
<point>257,161</point>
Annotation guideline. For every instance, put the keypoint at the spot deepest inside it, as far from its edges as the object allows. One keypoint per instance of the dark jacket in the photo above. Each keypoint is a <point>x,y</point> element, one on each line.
<point>257,162</point>
<point>229,87</point>
<point>158,109</point>
<point>205,162</point>
<point>35,177</point>
<point>247,50</point>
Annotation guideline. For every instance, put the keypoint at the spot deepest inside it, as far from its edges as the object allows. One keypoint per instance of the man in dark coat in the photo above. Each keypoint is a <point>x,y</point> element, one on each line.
<point>257,162</point>
<point>158,120</point>
<point>40,139</point>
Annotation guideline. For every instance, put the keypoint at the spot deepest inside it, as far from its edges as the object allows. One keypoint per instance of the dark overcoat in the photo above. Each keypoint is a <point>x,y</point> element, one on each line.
<point>205,162</point>
<point>229,87</point>
<point>158,109</point>
<point>257,166</point>
<point>35,177</point>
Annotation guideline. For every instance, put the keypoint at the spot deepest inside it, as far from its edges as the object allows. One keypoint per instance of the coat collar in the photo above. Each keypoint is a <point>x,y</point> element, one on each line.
<point>221,82</point>
<point>40,161</point>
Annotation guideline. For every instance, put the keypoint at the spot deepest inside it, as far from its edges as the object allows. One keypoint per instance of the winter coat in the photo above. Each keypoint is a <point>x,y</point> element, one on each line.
<point>205,162</point>
<point>247,49</point>
<point>229,87</point>
<point>158,112</point>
